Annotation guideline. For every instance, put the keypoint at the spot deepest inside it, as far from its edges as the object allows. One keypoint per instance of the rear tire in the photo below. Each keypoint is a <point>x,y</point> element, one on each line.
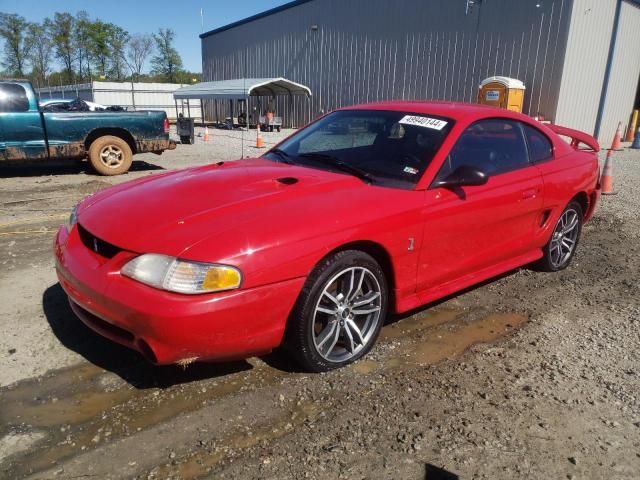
<point>561,247</point>
<point>110,155</point>
<point>339,313</point>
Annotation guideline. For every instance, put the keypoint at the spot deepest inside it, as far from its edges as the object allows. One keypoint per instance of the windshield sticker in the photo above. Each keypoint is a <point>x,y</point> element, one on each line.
<point>410,170</point>
<point>425,122</point>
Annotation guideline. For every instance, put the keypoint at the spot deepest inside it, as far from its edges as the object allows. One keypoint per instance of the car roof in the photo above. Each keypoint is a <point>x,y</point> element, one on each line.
<point>453,110</point>
<point>464,113</point>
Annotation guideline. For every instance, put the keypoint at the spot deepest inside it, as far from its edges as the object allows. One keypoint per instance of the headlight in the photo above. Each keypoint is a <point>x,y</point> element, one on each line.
<point>181,276</point>
<point>73,218</point>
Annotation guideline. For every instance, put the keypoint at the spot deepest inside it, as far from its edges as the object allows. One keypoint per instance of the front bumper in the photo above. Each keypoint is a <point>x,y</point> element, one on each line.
<point>167,327</point>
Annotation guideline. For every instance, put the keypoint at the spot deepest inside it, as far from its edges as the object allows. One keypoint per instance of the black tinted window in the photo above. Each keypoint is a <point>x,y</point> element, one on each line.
<point>540,148</point>
<point>493,146</point>
<point>13,98</point>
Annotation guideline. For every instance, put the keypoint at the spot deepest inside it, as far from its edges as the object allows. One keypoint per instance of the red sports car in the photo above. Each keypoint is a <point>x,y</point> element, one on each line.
<point>368,210</point>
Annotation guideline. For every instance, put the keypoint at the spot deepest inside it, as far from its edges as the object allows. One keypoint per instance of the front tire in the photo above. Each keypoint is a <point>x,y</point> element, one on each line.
<point>110,155</point>
<point>339,313</point>
<point>561,247</point>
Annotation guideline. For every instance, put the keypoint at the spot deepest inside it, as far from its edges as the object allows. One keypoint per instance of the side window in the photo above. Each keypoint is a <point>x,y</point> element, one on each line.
<point>494,146</point>
<point>13,98</point>
<point>540,147</point>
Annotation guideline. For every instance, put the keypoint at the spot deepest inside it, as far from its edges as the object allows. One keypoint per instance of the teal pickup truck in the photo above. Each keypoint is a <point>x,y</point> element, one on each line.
<point>108,139</point>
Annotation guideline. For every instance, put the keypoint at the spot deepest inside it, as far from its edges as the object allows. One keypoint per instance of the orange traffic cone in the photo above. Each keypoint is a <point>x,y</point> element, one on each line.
<point>615,145</point>
<point>606,179</point>
<point>206,134</point>
<point>259,141</point>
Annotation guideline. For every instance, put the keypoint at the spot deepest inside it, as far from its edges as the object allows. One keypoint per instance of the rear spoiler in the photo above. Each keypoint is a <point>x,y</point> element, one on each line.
<point>577,137</point>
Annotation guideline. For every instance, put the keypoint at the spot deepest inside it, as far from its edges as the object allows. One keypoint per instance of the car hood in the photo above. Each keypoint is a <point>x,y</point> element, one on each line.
<point>169,213</point>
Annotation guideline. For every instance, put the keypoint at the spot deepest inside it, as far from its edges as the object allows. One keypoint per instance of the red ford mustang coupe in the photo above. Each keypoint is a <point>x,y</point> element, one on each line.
<point>368,210</point>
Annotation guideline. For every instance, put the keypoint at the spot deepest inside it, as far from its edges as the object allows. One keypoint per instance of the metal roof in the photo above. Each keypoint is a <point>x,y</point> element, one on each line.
<point>266,13</point>
<point>241,88</point>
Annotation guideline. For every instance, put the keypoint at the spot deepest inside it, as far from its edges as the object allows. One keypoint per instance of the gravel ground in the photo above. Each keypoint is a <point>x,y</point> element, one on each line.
<point>531,375</point>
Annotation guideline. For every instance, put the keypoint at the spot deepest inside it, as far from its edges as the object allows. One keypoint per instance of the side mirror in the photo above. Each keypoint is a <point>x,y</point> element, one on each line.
<point>463,176</point>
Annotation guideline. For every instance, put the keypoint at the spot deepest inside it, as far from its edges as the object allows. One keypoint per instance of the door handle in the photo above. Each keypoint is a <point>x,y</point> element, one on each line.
<point>528,194</point>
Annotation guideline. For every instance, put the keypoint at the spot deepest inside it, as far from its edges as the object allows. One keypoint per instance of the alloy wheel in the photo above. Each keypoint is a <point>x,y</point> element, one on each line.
<point>111,156</point>
<point>347,314</point>
<point>564,239</point>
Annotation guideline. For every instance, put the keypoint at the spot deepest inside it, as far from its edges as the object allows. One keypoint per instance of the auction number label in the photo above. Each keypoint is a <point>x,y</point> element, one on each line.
<point>425,122</point>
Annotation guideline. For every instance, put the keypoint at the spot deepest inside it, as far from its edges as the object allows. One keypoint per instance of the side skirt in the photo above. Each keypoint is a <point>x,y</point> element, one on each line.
<point>441,291</point>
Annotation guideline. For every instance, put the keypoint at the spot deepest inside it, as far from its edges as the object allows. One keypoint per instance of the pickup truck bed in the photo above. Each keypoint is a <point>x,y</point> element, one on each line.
<point>108,139</point>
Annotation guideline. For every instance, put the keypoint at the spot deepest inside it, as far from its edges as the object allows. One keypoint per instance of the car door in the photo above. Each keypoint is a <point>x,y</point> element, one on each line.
<point>471,229</point>
<point>21,132</point>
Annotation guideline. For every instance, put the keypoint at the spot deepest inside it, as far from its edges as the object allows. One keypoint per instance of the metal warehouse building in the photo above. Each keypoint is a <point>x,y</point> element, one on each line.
<point>579,59</point>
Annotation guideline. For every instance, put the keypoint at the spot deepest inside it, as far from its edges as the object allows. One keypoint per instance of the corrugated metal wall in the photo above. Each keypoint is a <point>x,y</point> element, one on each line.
<point>585,64</point>
<point>368,50</point>
<point>79,90</point>
<point>588,45</point>
<point>625,71</point>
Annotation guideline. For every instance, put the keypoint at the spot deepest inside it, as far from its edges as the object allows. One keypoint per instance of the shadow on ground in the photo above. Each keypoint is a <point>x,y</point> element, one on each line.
<point>61,167</point>
<point>126,363</point>
<point>436,473</point>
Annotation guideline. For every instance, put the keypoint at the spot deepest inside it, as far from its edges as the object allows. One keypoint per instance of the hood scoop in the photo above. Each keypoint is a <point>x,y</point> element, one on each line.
<point>287,180</point>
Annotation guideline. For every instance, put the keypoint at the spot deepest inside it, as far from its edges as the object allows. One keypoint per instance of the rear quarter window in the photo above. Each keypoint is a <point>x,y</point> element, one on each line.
<point>540,147</point>
<point>13,98</point>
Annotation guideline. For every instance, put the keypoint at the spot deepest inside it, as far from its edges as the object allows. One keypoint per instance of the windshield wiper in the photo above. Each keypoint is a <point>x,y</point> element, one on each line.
<point>284,156</point>
<point>340,165</point>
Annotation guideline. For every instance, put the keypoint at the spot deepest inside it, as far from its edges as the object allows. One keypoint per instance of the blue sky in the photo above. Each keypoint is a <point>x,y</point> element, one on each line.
<point>146,16</point>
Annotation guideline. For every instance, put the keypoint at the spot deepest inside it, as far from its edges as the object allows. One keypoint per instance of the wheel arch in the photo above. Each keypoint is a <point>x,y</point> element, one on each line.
<point>379,253</point>
<point>583,200</point>
<point>113,131</point>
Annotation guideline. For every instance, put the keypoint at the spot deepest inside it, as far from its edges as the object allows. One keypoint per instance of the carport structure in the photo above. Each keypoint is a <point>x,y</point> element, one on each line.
<point>240,90</point>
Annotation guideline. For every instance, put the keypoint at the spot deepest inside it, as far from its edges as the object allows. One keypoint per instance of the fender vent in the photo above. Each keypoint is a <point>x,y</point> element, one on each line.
<point>545,217</point>
<point>287,180</point>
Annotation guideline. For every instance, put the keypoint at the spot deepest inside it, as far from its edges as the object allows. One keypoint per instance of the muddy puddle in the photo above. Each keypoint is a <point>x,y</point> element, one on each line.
<point>439,335</point>
<point>418,322</point>
<point>81,408</point>
<point>430,337</point>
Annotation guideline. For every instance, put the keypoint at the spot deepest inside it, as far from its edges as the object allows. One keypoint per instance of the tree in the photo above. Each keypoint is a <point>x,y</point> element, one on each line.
<point>81,33</point>
<point>138,50</point>
<point>167,61</point>
<point>106,45</point>
<point>99,46</point>
<point>39,38</point>
<point>13,30</point>
<point>62,30</point>
<point>118,40</point>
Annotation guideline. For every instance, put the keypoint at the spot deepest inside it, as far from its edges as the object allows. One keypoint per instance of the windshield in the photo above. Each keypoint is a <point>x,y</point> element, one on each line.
<point>381,147</point>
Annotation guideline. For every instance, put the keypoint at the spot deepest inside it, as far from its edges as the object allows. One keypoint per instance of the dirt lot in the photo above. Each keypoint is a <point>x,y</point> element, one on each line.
<point>530,375</point>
